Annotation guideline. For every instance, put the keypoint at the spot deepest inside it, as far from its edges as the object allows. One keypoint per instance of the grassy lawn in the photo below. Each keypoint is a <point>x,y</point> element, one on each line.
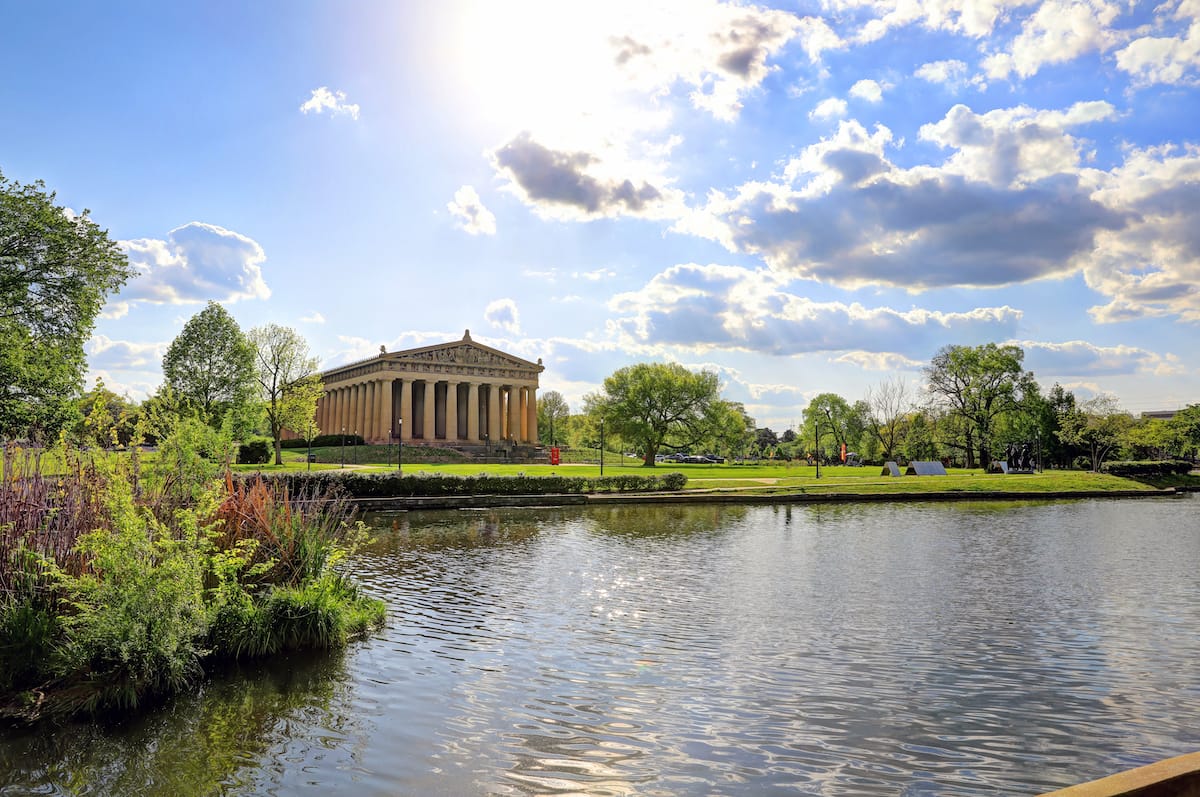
<point>761,478</point>
<point>756,478</point>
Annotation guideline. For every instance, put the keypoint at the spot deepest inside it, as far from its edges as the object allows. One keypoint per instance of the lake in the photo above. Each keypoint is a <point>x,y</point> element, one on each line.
<point>938,648</point>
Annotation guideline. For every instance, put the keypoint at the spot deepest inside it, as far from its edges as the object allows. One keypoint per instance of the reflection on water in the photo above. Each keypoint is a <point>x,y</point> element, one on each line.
<point>835,649</point>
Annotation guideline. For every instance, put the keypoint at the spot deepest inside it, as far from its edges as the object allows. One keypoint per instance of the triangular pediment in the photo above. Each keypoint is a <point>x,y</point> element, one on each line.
<point>462,352</point>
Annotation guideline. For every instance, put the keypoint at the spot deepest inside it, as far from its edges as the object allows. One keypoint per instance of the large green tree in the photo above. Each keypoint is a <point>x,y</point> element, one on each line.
<point>1099,425</point>
<point>829,417</point>
<point>211,363</point>
<point>288,383</point>
<point>553,412</point>
<point>977,384</point>
<point>652,404</point>
<point>56,270</point>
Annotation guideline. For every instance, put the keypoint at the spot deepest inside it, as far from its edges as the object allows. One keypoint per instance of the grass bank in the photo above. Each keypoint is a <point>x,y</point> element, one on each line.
<point>767,477</point>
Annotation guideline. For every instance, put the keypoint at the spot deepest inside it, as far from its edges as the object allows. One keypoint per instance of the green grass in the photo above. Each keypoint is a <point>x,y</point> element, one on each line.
<point>783,477</point>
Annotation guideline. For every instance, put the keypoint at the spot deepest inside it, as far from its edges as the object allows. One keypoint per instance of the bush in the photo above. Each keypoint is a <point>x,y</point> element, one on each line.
<point>390,485</point>
<point>256,452</point>
<point>1147,469</point>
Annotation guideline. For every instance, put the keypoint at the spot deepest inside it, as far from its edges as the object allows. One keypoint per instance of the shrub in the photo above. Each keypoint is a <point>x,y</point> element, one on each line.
<point>256,452</point>
<point>390,485</point>
<point>1147,469</point>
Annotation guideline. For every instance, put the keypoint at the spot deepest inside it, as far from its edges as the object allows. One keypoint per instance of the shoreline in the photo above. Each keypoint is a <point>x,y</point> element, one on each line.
<point>409,503</point>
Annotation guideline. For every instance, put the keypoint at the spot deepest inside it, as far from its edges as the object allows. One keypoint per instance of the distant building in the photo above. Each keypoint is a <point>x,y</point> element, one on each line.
<point>452,393</point>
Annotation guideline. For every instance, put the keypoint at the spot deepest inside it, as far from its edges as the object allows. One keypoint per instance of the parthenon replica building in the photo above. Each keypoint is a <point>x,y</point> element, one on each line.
<point>449,394</point>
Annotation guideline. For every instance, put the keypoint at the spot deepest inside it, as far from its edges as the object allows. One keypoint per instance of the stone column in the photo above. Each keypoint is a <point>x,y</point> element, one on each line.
<point>473,412</point>
<point>360,405</point>
<point>406,416</point>
<point>531,425</point>
<point>451,411</point>
<point>384,424</point>
<point>514,413</point>
<point>430,419</point>
<point>493,429</point>
<point>369,412</point>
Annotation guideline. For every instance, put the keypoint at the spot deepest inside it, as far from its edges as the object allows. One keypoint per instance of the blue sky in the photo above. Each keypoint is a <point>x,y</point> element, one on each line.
<point>808,197</point>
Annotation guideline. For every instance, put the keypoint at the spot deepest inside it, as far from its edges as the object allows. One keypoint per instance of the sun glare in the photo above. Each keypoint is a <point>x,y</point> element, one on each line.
<point>548,67</point>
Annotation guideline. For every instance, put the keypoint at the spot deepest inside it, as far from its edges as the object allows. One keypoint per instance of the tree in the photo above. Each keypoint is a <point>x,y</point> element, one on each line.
<point>288,385</point>
<point>1186,425</point>
<point>831,416</point>
<point>105,419</point>
<point>652,404</point>
<point>56,270</point>
<point>552,416</point>
<point>211,363</point>
<point>977,384</point>
<point>1099,425</point>
<point>887,410</point>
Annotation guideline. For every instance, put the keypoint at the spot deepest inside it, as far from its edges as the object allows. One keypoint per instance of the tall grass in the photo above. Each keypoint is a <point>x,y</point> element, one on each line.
<point>116,588</point>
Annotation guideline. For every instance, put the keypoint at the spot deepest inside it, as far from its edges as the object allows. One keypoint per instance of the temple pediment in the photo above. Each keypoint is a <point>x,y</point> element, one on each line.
<point>461,353</point>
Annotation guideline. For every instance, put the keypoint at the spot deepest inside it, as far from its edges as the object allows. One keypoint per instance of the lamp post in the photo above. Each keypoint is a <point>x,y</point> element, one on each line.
<point>400,447</point>
<point>817,444</point>
<point>343,446</point>
<point>308,457</point>
<point>601,446</point>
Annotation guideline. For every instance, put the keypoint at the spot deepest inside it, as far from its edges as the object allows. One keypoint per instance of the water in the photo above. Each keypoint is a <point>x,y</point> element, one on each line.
<point>912,649</point>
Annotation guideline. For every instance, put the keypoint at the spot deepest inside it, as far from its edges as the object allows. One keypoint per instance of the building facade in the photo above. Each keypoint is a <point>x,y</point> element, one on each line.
<point>460,393</point>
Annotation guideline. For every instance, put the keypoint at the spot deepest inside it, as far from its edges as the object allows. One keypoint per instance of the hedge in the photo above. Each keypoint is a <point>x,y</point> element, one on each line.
<point>390,485</point>
<point>1154,468</point>
<point>323,440</point>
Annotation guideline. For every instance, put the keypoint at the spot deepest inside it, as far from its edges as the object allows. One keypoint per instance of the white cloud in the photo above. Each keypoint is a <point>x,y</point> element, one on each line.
<point>830,108</point>
<point>1078,358</point>
<point>1010,204</point>
<point>1059,31</point>
<point>880,361</point>
<point>951,73</point>
<point>1173,58</point>
<point>104,352</point>
<point>579,184</point>
<point>472,216</point>
<point>197,262</point>
<point>715,307</point>
<point>869,90</point>
<point>334,102</point>
<point>503,314</point>
<point>1151,266</point>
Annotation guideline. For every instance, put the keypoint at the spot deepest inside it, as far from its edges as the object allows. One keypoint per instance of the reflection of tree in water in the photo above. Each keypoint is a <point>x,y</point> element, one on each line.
<point>436,530</point>
<point>211,742</point>
<point>663,520</point>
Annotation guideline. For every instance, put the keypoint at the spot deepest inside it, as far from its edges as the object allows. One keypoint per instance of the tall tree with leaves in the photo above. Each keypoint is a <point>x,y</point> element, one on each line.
<point>211,363</point>
<point>977,384</point>
<point>1099,425</point>
<point>552,412</point>
<point>652,404</point>
<point>288,383</point>
<point>56,270</point>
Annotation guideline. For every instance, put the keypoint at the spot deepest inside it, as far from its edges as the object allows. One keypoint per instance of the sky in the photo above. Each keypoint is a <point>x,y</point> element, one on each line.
<point>805,197</point>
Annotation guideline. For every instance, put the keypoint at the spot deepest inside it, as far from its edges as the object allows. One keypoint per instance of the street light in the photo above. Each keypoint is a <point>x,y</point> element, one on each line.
<point>817,444</point>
